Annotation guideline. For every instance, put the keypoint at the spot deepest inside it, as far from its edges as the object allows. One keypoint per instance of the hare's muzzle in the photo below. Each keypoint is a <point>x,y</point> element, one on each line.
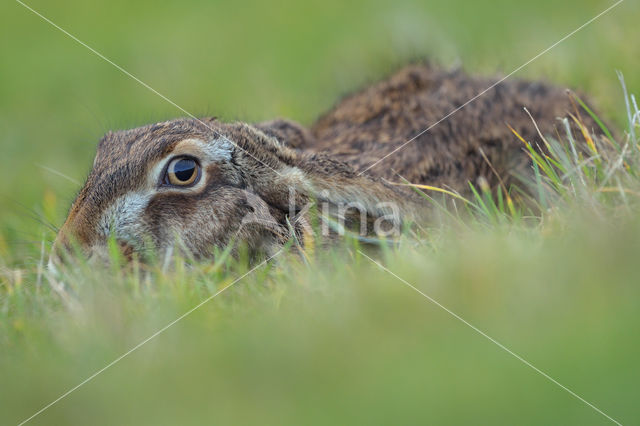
<point>66,248</point>
<point>71,242</point>
<point>66,244</point>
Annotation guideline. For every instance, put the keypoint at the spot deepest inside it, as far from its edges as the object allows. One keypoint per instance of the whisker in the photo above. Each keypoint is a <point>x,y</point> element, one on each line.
<point>57,173</point>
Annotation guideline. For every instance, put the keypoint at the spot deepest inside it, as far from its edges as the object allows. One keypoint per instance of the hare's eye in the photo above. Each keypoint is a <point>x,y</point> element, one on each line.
<point>182,171</point>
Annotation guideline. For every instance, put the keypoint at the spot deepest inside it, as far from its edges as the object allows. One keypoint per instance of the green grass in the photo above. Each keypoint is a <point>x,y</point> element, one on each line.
<point>330,338</point>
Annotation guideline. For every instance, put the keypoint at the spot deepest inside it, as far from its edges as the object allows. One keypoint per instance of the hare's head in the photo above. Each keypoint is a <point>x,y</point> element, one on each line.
<point>193,185</point>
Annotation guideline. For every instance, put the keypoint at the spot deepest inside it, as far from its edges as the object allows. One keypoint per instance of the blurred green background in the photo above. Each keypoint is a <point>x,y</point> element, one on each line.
<point>338,341</point>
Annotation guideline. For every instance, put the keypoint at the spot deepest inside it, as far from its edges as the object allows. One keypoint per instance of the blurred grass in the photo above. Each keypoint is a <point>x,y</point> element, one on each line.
<point>346,343</point>
<point>336,341</point>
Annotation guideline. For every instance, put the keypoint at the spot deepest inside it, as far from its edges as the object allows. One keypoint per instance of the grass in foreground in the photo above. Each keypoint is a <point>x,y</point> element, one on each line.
<point>334,339</point>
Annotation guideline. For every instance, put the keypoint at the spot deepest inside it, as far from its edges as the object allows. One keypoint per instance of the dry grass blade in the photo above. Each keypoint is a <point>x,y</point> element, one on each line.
<point>433,188</point>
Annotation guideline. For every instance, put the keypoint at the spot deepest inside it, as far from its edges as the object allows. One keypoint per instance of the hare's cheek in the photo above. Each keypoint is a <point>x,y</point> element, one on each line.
<point>178,219</point>
<point>201,221</point>
<point>124,219</point>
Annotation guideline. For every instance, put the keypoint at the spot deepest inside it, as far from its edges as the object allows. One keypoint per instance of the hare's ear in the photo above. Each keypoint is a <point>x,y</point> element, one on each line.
<point>288,132</point>
<point>344,199</point>
<point>289,180</point>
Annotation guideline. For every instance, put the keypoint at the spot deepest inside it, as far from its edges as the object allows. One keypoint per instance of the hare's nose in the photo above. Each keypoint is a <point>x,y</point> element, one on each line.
<point>61,251</point>
<point>68,243</point>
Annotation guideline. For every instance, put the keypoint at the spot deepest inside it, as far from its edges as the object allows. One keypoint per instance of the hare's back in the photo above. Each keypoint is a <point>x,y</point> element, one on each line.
<point>448,116</point>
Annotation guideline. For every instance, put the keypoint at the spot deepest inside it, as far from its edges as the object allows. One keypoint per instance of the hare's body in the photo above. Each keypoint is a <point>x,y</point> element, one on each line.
<point>204,183</point>
<point>395,114</point>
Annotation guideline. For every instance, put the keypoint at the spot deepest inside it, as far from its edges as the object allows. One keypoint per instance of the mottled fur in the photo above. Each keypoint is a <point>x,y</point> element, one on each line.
<point>368,125</point>
<point>257,179</point>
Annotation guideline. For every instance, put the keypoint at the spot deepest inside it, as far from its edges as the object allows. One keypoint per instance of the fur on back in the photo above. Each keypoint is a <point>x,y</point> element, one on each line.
<point>372,123</point>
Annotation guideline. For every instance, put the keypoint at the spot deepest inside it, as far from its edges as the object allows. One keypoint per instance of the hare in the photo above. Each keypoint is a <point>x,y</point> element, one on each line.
<point>198,184</point>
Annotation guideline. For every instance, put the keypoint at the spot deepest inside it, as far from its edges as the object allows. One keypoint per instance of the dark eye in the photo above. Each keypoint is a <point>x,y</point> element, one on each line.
<point>182,171</point>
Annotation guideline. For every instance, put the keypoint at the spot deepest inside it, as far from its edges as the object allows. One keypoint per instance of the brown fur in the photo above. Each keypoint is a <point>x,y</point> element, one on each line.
<point>370,124</point>
<point>247,195</point>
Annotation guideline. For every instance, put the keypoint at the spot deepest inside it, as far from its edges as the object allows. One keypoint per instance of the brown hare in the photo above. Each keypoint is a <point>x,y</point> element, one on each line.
<point>199,184</point>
